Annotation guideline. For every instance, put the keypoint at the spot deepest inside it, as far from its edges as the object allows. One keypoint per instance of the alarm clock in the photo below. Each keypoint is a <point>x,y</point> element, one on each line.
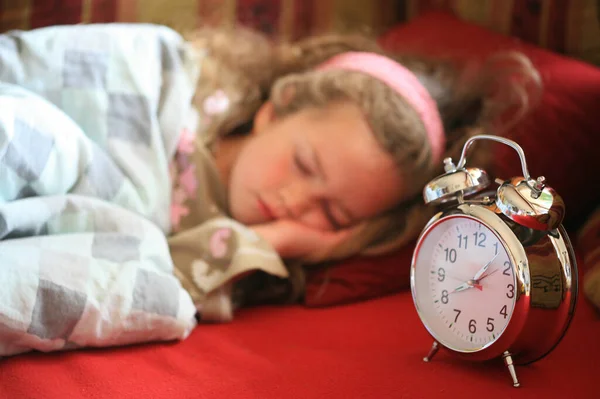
<point>493,273</point>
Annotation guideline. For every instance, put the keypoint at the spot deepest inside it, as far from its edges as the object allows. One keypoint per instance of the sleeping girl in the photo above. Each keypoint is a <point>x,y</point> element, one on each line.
<point>129,155</point>
<point>323,146</point>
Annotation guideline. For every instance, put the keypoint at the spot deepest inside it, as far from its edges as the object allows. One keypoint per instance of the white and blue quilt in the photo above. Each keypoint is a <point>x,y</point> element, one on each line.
<point>90,116</point>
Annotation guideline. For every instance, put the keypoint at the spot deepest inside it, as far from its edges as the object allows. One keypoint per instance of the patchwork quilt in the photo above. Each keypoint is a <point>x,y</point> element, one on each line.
<point>89,118</point>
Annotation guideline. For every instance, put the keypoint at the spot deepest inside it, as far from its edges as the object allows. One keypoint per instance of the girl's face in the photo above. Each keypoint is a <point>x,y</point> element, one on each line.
<point>322,168</point>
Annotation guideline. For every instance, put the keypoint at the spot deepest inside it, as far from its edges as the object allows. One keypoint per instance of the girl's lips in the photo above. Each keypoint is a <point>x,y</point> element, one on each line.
<point>265,210</point>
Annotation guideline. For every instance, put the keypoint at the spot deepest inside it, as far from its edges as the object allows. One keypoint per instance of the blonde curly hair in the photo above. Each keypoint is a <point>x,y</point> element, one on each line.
<point>250,69</point>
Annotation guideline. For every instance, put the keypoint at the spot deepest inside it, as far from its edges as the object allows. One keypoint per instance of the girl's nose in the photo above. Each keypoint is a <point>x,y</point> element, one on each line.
<point>300,197</point>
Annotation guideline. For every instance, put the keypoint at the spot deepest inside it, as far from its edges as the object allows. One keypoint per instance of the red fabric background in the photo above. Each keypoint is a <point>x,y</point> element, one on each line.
<point>367,350</point>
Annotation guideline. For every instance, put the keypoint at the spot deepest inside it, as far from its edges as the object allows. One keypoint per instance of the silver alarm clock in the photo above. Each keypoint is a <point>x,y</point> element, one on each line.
<point>493,273</point>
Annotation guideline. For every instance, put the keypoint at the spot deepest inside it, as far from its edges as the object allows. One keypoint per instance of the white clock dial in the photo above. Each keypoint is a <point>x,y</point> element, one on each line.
<point>464,285</point>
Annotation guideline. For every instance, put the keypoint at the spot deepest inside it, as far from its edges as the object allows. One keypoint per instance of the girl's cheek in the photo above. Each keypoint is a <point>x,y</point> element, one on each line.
<point>277,171</point>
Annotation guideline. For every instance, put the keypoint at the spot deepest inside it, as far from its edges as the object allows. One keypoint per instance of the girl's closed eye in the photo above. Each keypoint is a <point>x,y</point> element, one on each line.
<point>302,165</point>
<point>306,160</point>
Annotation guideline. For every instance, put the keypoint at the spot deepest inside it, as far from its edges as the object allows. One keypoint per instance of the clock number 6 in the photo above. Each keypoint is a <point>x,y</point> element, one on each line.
<point>472,326</point>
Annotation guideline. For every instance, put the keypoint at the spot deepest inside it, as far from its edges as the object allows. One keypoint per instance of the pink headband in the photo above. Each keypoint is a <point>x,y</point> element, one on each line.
<point>404,82</point>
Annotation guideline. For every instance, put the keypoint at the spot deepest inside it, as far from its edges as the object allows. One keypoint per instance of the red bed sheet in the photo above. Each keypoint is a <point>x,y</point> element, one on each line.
<point>365,350</point>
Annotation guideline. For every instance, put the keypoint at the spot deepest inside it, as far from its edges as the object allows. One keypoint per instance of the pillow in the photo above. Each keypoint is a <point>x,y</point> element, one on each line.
<point>359,278</point>
<point>561,138</point>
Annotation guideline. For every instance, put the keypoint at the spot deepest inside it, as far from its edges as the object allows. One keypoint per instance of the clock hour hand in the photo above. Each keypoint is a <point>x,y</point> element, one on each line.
<point>466,285</point>
<point>483,269</point>
<point>462,287</point>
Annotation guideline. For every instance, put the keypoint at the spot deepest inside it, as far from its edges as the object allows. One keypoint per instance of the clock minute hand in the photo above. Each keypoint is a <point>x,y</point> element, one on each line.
<point>483,269</point>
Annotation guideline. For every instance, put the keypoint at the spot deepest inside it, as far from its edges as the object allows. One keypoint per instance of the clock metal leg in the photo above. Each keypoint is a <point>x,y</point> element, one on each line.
<point>511,368</point>
<point>434,348</point>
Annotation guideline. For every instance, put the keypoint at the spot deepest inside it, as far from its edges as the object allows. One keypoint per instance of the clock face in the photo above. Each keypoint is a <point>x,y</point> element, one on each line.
<point>463,284</point>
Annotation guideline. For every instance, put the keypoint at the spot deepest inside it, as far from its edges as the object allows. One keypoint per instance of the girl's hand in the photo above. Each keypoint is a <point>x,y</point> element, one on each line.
<point>295,240</point>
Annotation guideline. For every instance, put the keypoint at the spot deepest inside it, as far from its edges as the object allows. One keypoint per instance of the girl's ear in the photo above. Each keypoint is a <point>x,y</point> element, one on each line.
<point>266,113</point>
<point>264,117</point>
